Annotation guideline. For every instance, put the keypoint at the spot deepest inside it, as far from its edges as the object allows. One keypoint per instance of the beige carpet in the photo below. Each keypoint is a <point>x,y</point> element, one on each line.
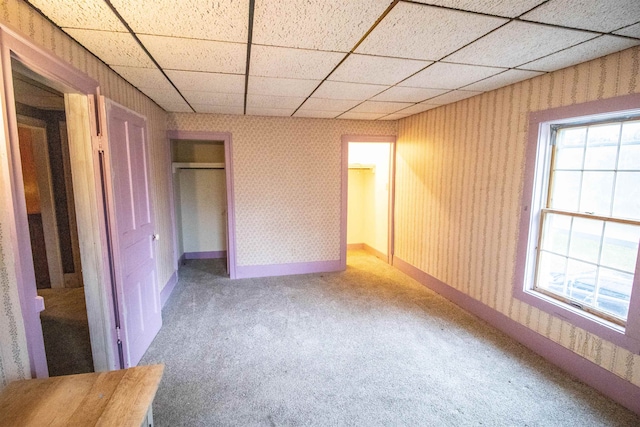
<point>364,347</point>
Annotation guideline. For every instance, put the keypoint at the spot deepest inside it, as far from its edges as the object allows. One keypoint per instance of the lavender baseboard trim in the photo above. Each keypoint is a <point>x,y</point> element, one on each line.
<point>205,255</point>
<point>168,289</point>
<point>355,246</point>
<point>376,253</point>
<point>248,271</point>
<point>606,382</point>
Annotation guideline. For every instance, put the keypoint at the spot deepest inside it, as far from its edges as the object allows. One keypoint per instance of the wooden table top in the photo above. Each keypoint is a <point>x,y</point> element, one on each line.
<point>114,398</point>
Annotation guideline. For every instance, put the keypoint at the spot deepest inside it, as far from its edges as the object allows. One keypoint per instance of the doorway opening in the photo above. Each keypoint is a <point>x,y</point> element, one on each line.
<point>202,200</point>
<point>53,233</point>
<point>368,169</point>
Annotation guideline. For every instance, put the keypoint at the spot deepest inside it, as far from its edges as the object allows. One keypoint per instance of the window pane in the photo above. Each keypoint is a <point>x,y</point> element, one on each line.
<point>551,273</point>
<point>597,192</point>
<point>566,190</point>
<point>614,292</point>
<point>585,239</point>
<point>627,200</point>
<point>570,148</point>
<point>556,233</point>
<point>630,148</point>
<point>620,246</point>
<point>602,147</point>
<point>581,279</point>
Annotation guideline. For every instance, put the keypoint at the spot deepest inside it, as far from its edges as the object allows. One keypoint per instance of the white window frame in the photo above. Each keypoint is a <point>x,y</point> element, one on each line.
<point>535,191</point>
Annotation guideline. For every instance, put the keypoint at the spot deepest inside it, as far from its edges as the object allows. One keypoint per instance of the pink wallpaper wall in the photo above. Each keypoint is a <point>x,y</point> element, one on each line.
<point>287,182</point>
<point>459,186</point>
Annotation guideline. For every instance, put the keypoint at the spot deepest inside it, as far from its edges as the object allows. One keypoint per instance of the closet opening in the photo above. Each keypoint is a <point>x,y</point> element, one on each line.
<point>201,201</point>
<point>369,188</point>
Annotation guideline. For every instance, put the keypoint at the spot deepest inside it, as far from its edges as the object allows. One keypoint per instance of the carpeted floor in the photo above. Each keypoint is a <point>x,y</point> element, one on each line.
<point>364,347</point>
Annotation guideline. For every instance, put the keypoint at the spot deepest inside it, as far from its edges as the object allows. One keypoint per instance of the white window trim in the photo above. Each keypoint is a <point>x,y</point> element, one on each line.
<point>534,199</point>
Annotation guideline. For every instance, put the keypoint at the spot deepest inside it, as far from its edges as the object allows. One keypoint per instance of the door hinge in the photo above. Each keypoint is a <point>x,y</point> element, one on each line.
<point>118,333</point>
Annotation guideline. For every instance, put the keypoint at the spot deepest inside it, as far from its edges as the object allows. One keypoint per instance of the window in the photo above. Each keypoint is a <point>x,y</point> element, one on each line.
<point>579,259</point>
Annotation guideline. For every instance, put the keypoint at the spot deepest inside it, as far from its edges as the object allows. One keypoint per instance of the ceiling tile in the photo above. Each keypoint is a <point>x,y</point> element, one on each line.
<point>143,77</point>
<point>217,109</point>
<point>408,94</point>
<point>255,111</point>
<point>517,43</point>
<point>376,69</point>
<point>197,55</point>
<point>380,107</point>
<point>425,32</point>
<point>296,23</point>
<point>596,15</point>
<point>583,52</point>
<point>213,98</point>
<point>281,102</point>
<point>631,31</point>
<point>510,9</point>
<point>222,20</point>
<point>443,75</point>
<point>418,108</point>
<point>453,96</point>
<point>88,15</point>
<point>502,79</point>
<point>361,116</point>
<point>341,90</point>
<point>394,116</point>
<point>176,107</point>
<point>333,105</point>
<point>316,114</point>
<point>112,48</point>
<point>163,96</point>
<point>281,87</point>
<point>269,61</point>
<point>211,82</point>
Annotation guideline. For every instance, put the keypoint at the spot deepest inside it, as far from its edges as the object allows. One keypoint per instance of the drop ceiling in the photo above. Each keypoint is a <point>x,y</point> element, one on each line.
<point>351,59</point>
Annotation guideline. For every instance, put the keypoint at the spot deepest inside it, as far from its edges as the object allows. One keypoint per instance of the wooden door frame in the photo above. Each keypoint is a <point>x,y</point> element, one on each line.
<point>80,92</point>
<point>344,184</point>
<point>231,217</point>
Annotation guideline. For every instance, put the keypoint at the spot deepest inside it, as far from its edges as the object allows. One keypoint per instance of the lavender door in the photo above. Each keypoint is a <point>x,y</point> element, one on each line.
<point>132,231</point>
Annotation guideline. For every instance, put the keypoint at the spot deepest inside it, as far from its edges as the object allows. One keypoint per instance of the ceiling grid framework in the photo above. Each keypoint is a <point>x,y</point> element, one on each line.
<point>348,59</point>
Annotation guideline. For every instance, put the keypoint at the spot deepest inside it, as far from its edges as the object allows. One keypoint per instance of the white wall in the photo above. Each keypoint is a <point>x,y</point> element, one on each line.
<point>373,215</point>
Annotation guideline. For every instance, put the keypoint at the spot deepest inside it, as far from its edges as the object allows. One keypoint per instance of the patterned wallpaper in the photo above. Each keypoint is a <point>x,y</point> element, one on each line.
<point>459,183</point>
<point>20,16</point>
<point>287,182</point>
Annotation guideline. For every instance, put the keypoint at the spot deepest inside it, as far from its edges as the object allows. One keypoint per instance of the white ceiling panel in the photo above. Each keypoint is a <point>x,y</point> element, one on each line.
<point>222,20</point>
<point>85,14</point>
<point>256,111</point>
<point>502,79</point>
<point>281,87</point>
<point>296,23</point>
<point>143,77</point>
<point>212,98</point>
<point>517,43</point>
<point>380,107</point>
<point>217,109</point>
<point>418,108</point>
<point>376,69</point>
<point>163,96</point>
<point>279,102</point>
<point>341,90</point>
<point>631,31</point>
<point>333,105</point>
<point>453,96</point>
<point>176,107</point>
<point>211,82</point>
<point>510,9</point>
<point>586,51</point>
<point>197,55</point>
<point>394,116</point>
<point>269,61</point>
<point>316,114</point>
<point>408,94</point>
<point>596,15</point>
<point>443,75</point>
<point>360,116</point>
<point>113,48</point>
<point>425,32</point>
